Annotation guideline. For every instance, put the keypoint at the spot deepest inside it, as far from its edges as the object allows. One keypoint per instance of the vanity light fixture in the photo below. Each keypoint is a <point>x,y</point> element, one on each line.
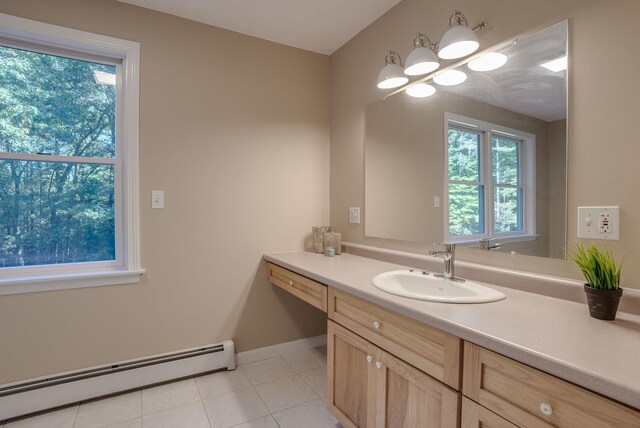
<point>392,74</point>
<point>459,40</point>
<point>422,59</point>
<point>488,62</point>
<point>556,65</point>
<point>420,90</point>
<point>450,78</point>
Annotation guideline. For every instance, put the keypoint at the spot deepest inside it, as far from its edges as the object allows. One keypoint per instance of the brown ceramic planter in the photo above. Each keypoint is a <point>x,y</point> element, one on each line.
<point>603,304</point>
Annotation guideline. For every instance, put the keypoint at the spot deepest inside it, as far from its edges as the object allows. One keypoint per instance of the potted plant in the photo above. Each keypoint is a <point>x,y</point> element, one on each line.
<point>603,280</point>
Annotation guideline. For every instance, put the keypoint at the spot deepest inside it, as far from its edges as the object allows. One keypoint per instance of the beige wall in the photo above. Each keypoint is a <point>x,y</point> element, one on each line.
<point>557,193</point>
<point>226,121</point>
<point>404,166</point>
<point>603,154</point>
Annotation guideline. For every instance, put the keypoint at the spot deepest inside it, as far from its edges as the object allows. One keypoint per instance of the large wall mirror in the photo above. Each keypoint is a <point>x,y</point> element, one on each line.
<point>481,163</point>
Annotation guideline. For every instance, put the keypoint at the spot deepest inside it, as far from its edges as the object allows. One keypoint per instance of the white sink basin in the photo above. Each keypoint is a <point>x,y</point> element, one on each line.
<point>416,285</point>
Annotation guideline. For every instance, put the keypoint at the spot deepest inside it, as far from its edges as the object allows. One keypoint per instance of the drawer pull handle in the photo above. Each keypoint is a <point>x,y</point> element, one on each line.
<point>291,283</point>
<point>546,409</point>
<point>369,358</point>
<point>376,324</point>
<point>378,364</point>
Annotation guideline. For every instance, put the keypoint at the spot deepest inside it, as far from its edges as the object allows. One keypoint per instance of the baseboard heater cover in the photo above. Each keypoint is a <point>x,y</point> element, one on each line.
<point>25,397</point>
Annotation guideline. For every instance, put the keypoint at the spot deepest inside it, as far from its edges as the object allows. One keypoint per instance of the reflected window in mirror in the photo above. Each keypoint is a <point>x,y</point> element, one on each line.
<point>490,181</point>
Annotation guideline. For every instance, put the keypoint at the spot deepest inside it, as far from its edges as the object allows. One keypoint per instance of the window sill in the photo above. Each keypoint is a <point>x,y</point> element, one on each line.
<point>34,284</point>
<point>498,239</point>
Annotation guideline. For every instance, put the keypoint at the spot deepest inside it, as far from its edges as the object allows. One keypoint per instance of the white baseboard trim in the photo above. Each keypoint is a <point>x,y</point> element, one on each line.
<point>285,348</point>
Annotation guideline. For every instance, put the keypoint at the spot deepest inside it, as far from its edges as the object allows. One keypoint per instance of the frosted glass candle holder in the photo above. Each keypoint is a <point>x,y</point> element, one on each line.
<point>318,237</point>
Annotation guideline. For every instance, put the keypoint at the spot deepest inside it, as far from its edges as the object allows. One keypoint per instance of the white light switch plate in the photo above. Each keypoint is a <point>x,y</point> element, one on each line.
<point>354,215</point>
<point>157,199</point>
<point>599,223</point>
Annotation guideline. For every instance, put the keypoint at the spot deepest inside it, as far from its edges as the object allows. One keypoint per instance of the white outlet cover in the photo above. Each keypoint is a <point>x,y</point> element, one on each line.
<point>589,219</point>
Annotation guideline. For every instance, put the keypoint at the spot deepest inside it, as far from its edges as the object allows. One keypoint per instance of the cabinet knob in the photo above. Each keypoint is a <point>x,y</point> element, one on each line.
<point>546,409</point>
<point>376,324</point>
<point>290,282</point>
<point>378,364</point>
<point>369,358</point>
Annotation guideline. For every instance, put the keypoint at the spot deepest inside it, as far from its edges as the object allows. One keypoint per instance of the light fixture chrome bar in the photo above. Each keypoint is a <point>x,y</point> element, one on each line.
<point>423,41</point>
<point>393,57</point>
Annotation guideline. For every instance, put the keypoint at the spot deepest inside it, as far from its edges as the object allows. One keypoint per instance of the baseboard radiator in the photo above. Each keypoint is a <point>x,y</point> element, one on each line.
<point>34,395</point>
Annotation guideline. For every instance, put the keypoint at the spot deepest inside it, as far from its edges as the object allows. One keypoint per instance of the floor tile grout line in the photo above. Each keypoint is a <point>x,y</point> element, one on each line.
<point>206,415</point>
<point>201,402</point>
<point>75,418</point>
<point>293,407</point>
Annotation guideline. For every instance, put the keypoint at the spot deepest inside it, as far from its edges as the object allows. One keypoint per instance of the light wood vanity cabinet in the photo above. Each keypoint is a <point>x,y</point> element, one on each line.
<point>368,387</point>
<point>300,286</point>
<point>388,370</point>
<point>431,350</point>
<point>531,398</point>
<point>476,416</point>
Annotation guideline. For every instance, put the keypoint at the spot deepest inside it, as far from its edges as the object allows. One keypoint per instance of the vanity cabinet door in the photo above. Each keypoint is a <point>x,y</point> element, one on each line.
<point>409,398</point>
<point>368,387</point>
<point>351,377</point>
<point>476,416</point>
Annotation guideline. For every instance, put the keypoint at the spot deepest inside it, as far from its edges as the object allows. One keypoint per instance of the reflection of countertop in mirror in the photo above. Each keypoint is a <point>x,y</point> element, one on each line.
<point>551,334</point>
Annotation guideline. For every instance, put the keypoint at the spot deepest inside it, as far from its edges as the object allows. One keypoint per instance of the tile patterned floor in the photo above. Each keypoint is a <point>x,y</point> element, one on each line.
<point>283,392</point>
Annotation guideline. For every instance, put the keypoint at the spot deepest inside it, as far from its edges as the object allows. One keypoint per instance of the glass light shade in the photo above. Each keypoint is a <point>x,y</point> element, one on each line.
<point>421,90</point>
<point>421,60</point>
<point>391,76</point>
<point>450,78</point>
<point>488,62</point>
<point>457,42</point>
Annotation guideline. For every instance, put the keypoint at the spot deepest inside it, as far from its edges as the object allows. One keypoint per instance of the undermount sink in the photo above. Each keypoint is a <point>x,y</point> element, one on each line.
<point>426,286</point>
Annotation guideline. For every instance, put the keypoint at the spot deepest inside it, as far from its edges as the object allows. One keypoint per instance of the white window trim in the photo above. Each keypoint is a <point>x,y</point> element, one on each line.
<point>128,269</point>
<point>528,169</point>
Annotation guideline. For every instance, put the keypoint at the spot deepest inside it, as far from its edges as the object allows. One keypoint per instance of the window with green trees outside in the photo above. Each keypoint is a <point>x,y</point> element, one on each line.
<point>58,131</point>
<point>488,171</point>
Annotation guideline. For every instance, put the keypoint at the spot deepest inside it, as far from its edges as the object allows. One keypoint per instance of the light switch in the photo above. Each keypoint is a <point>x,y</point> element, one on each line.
<point>436,202</point>
<point>599,223</point>
<point>157,199</point>
<point>354,215</point>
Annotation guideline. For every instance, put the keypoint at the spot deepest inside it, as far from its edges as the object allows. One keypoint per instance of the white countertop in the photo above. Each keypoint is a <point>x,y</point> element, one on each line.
<point>553,335</point>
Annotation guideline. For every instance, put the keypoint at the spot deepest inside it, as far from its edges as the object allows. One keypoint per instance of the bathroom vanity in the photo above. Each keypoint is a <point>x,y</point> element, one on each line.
<point>526,361</point>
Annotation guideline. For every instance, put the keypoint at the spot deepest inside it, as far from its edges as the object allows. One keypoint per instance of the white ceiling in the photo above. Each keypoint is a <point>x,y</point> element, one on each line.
<point>320,26</point>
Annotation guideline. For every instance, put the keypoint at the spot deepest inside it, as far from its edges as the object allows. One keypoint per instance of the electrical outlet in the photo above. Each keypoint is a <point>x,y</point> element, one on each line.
<point>599,223</point>
<point>157,199</point>
<point>354,215</point>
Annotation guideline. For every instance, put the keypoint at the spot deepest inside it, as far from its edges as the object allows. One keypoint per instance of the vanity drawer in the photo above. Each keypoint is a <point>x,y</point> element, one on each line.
<point>433,351</point>
<point>302,287</point>
<point>529,397</point>
<point>476,416</point>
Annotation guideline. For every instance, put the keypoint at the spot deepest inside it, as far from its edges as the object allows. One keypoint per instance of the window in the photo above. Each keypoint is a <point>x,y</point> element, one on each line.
<point>490,181</point>
<point>68,158</point>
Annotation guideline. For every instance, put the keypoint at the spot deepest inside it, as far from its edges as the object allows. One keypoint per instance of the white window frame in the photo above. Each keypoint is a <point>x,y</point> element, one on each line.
<point>527,179</point>
<point>126,268</point>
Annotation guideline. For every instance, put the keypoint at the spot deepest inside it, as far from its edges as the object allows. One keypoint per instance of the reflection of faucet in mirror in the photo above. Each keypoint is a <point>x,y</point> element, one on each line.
<point>449,259</point>
<point>489,244</point>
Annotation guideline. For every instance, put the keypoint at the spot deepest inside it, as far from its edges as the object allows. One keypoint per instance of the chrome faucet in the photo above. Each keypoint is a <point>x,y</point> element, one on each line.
<point>489,244</point>
<point>449,258</point>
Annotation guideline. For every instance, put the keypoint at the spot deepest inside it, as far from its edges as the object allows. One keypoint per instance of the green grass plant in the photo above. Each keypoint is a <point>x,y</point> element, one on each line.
<point>598,266</point>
